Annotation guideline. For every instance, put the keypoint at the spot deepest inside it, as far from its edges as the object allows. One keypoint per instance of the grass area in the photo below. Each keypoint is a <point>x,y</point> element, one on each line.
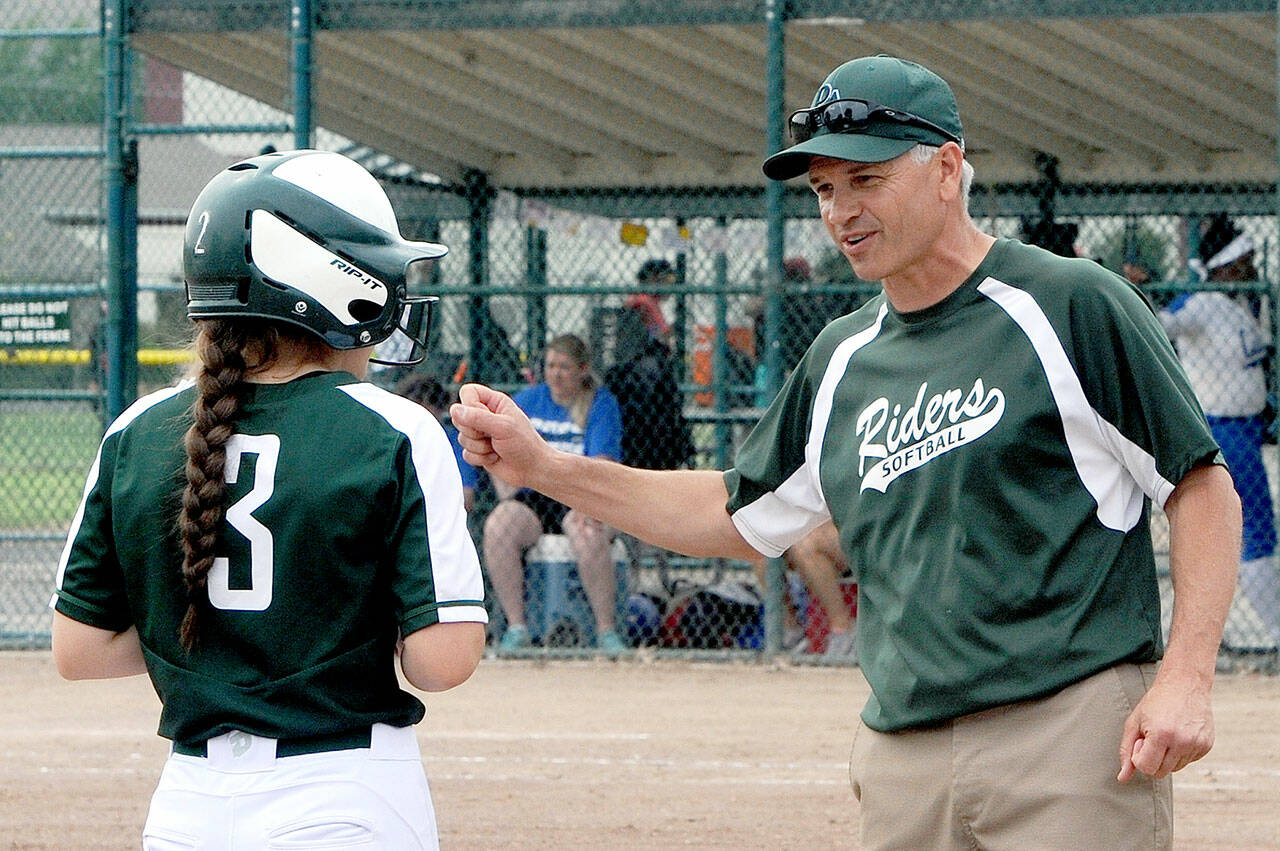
<point>45,451</point>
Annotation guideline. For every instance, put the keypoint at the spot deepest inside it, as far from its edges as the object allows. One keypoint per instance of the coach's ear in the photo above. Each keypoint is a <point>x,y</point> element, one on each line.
<point>949,161</point>
<point>84,652</point>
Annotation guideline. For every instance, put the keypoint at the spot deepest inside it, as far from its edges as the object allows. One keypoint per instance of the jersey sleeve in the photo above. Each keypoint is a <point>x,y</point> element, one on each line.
<point>89,585</point>
<point>603,436</point>
<point>435,570</point>
<point>1134,380</point>
<point>774,495</point>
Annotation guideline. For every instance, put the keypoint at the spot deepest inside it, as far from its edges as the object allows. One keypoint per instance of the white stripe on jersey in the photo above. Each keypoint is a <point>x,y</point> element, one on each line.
<point>1095,444</point>
<point>131,413</point>
<point>797,506</point>
<point>455,567</point>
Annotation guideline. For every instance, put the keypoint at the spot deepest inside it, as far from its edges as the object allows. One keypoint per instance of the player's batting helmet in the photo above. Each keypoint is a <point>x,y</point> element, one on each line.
<point>305,237</point>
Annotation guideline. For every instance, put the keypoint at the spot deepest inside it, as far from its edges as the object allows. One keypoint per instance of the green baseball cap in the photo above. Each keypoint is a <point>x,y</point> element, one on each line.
<point>918,107</point>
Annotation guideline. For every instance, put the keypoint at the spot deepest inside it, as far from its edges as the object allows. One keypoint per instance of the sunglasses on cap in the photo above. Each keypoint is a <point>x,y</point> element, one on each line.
<point>849,115</point>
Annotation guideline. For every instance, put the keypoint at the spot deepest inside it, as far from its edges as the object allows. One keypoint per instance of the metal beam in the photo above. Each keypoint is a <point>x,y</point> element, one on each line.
<point>644,110</point>
<point>353,65</point>
<point>248,15</point>
<point>301,27</point>
<point>457,75</point>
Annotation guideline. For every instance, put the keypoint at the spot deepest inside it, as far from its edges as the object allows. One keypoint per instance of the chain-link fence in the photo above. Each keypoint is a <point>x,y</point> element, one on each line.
<point>50,299</point>
<point>673,292</point>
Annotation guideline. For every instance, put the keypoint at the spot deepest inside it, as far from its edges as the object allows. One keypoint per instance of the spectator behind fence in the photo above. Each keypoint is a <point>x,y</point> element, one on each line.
<point>816,562</point>
<point>267,539</point>
<point>574,415</point>
<point>1224,351</point>
<point>432,395</point>
<point>655,433</point>
<point>804,309</point>
<point>987,434</point>
<point>648,304</point>
<point>819,562</point>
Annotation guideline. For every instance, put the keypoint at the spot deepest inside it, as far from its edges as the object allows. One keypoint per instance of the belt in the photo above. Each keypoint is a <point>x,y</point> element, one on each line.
<point>297,745</point>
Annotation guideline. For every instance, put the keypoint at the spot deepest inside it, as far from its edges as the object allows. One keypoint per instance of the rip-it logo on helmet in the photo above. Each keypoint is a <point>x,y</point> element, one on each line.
<point>364,276</point>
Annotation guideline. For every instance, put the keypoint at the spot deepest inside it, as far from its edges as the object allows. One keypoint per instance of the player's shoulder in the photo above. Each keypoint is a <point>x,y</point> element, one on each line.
<point>384,406</point>
<point>1061,284</point>
<point>158,405</point>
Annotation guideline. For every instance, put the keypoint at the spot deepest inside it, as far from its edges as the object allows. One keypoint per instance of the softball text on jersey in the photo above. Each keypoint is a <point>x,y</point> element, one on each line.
<point>924,431</point>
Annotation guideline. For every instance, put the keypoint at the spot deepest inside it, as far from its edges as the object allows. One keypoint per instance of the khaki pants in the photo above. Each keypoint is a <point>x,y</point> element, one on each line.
<point>1038,774</point>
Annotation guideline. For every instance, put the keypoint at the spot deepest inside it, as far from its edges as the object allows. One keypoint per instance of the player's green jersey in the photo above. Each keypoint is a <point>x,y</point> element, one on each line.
<point>990,463</point>
<point>344,528</point>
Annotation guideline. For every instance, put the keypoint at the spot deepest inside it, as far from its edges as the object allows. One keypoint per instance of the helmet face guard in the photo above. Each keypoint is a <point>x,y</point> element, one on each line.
<point>413,328</point>
<point>308,238</point>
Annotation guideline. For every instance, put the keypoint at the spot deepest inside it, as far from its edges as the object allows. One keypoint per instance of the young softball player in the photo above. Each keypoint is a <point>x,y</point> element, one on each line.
<point>265,540</point>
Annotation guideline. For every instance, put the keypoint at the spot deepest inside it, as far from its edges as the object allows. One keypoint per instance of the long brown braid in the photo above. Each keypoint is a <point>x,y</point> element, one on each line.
<point>229,350</point>
<point>220,346</point>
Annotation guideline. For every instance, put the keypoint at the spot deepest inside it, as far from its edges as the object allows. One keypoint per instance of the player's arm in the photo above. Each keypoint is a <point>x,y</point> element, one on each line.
<point>1173,724</point>
<point>679,510</point>
<point>443,655</point>
<point>84,652</point>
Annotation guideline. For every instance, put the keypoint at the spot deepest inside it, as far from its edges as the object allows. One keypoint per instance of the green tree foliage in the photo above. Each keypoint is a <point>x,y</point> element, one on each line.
<point>50,81</point>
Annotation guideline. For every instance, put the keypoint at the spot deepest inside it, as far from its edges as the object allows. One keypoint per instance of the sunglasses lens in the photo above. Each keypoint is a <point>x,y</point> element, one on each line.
<point>800,126</point>
<point>845,115</point>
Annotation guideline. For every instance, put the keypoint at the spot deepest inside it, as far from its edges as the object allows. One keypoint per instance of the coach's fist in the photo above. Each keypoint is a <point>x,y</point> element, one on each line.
<point>496,435</point>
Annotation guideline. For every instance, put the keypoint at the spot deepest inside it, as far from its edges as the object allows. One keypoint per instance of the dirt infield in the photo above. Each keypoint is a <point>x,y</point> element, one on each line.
<point>586,755</point>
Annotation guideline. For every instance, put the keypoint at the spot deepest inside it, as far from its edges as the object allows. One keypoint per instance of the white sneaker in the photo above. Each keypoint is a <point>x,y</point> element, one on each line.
<point>842,645</point>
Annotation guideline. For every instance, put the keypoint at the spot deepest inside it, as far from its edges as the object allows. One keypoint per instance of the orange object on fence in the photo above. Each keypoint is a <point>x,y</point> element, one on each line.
<point>704,343</point>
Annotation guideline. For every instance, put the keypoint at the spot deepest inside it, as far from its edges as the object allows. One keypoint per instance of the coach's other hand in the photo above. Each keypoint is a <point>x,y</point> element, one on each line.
<point>1171,727</point>
<point>496,434</point>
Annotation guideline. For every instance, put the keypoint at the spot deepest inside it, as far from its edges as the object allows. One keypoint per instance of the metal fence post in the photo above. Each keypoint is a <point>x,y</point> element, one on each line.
<point>120,181</point>
<point>775,18</point>
<point>301,23</point>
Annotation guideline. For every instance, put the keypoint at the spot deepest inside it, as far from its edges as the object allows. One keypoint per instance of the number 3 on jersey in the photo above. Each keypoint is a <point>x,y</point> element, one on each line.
<point>255,598</point>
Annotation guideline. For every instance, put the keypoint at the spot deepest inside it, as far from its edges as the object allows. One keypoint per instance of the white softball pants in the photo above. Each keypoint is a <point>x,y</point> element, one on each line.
<point>241,796</point>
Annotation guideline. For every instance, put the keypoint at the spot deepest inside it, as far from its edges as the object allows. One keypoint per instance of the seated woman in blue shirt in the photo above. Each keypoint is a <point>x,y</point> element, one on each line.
<point>574,413</point>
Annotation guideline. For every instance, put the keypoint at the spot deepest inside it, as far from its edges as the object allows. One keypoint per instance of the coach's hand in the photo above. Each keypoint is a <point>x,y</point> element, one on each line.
<point>496,434</point>
<point>1170,728</point>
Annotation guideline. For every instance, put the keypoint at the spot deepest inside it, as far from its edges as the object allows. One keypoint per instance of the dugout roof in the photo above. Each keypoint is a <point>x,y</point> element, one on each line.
<point>579,94</point>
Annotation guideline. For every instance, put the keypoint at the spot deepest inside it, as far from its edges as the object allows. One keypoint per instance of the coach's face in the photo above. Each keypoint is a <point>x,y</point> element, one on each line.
<point>886,217</point>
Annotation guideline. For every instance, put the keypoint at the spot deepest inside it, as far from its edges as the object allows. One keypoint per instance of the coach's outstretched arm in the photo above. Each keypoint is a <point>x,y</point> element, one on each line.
<point>679,510</point>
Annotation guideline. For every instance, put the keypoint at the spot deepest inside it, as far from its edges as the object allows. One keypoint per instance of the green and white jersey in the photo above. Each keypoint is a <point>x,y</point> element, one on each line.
<point>990,464</point>
<point>344,529</point>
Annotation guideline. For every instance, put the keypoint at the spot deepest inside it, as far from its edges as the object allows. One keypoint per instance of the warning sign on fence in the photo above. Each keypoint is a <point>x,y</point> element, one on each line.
<point>35,322</point>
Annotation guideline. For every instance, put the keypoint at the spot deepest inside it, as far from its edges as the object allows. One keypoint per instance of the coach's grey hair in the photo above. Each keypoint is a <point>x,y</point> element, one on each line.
<point>922,153</point>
